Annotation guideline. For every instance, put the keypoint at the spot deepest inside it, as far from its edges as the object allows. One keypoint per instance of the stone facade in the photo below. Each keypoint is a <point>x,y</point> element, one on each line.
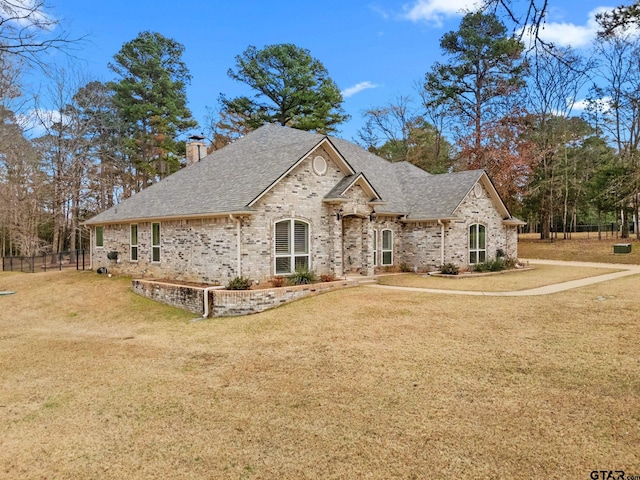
<point>341,233</point>
<point>202,250</point>
<point>478,208</point>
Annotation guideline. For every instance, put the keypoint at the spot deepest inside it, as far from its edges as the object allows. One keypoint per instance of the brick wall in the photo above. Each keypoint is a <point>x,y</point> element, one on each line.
<point>185,297</point>
<point>206,250</point>
<point>224,303</point>
<point>191,250</point>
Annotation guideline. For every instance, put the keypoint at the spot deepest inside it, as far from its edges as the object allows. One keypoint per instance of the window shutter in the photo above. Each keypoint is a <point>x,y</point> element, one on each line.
<point>301,238</point>
<point>282,237</point>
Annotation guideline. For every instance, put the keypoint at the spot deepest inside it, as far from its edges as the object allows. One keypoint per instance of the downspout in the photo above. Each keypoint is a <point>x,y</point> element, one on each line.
<point>91,230</point>
<point>441,241</point>
<point>239,244</point>
<point>205,294</point>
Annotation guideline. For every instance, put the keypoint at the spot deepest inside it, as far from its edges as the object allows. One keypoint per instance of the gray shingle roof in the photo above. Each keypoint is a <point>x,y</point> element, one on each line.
<point>224,181</point>
<point>229,179</point>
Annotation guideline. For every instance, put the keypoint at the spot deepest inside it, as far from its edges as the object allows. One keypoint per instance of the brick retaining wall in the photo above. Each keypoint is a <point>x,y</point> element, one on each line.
<point>226,303</point>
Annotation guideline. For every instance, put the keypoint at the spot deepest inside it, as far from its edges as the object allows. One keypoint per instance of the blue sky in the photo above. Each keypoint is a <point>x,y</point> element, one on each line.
<point>374,50</point>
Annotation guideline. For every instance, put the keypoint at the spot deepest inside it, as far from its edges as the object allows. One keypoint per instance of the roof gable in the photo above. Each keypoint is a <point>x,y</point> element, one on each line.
<point>337,158</point>
<point>337,194</point>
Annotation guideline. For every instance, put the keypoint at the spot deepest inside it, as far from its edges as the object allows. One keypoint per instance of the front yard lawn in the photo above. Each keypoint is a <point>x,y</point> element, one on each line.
<point>98,383</point>
<point>539,276</point>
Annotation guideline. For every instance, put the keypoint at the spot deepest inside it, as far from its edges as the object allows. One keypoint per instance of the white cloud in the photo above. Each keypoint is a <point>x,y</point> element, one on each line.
<point>604,104</point>
<point>569,34</point>
<point>357,88</point>
<point>27,13</point>
<point>36,122</point>
<point>435,11</point>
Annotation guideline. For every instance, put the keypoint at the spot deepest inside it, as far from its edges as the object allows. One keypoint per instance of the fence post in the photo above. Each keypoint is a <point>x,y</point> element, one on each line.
<point>60,261</point>
<point>83,259</point>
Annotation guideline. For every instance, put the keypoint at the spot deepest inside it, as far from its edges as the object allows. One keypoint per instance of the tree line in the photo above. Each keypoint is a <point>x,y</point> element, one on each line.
<point>491,103</point>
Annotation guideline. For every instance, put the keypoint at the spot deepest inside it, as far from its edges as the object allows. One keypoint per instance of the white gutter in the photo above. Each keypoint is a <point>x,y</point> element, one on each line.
<point>441,241</point>
<point>239,245</point>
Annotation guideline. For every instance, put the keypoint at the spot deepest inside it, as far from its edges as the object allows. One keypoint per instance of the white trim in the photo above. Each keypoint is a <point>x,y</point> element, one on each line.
<point>375,247</point>
<point>384,250</point>
<point>159,245</point>
<point>476,250</point>
<point>320,165</point>
<point>96,237</point>
<point>132,246</point>
<point>291,255</point>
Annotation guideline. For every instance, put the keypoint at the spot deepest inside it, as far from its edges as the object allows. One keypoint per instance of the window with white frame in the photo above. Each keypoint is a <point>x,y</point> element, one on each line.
<point>155,242</point>
<point>375,248</point>
<point>99,236</point>
<point>133,250</point>
<point>477,244</point>
<point>387,247</point>
<point>292,246</point>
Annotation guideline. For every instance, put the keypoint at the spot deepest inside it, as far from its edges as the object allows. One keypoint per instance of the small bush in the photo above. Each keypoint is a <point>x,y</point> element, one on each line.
<point>277,281</point>
<point>449,269</point>
<point>328,277</point>
<point>302,277</point>
<point>405,268</point>
<point>496,265</point>
<point>239,283</point>
<point>500,253</point>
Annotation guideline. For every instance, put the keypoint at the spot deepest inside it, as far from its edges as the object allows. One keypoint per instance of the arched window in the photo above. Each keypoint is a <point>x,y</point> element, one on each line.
<point>387,247</point>
<point>292,246</point>
<point>477,244</point>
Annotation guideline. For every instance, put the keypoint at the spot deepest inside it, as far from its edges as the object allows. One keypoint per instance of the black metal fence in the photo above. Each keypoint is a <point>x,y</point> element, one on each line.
<point>45,262</point>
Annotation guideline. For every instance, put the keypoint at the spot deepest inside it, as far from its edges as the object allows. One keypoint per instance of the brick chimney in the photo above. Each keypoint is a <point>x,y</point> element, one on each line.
<point>196,149</point>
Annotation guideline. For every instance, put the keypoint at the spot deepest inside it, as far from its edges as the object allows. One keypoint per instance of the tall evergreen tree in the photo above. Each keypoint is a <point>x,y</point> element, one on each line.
<point>485,70</point>
<point>150,95</point>
<point>292,88</point>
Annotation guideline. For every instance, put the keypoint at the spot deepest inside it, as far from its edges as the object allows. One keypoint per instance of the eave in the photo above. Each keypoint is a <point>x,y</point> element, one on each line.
<point>170,218</point>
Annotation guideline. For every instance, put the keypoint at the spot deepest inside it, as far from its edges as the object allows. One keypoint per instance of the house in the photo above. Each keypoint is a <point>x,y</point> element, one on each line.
<point>281,199</point>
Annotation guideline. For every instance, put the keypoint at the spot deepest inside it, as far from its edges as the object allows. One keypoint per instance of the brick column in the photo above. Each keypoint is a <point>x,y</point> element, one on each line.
<point>335,228</point>
<point>367,247</point>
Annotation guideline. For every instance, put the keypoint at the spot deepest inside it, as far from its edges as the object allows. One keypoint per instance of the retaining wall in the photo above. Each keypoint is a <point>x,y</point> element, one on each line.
<point>227,303</point>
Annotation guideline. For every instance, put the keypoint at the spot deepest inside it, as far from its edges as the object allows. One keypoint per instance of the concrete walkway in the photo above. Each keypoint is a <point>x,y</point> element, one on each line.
<point>625,271</point>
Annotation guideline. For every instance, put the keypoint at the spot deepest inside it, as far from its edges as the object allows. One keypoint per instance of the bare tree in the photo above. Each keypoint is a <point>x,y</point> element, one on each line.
<point>28,28</point>
<point>22,190</point>
<point>620,73</point>
<point>551,94</point>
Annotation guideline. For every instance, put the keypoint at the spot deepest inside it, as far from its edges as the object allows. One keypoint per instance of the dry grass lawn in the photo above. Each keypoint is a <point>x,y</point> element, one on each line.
<point>507,281</point>
<point>98,383</point>
<point>581,247</point>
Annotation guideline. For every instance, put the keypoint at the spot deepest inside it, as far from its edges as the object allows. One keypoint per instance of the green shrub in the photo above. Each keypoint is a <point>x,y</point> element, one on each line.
<point>302,277</point>
<point>449,269</point>
<point>496,265</point>
<point>239,283</point>
<point>405,268</point>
